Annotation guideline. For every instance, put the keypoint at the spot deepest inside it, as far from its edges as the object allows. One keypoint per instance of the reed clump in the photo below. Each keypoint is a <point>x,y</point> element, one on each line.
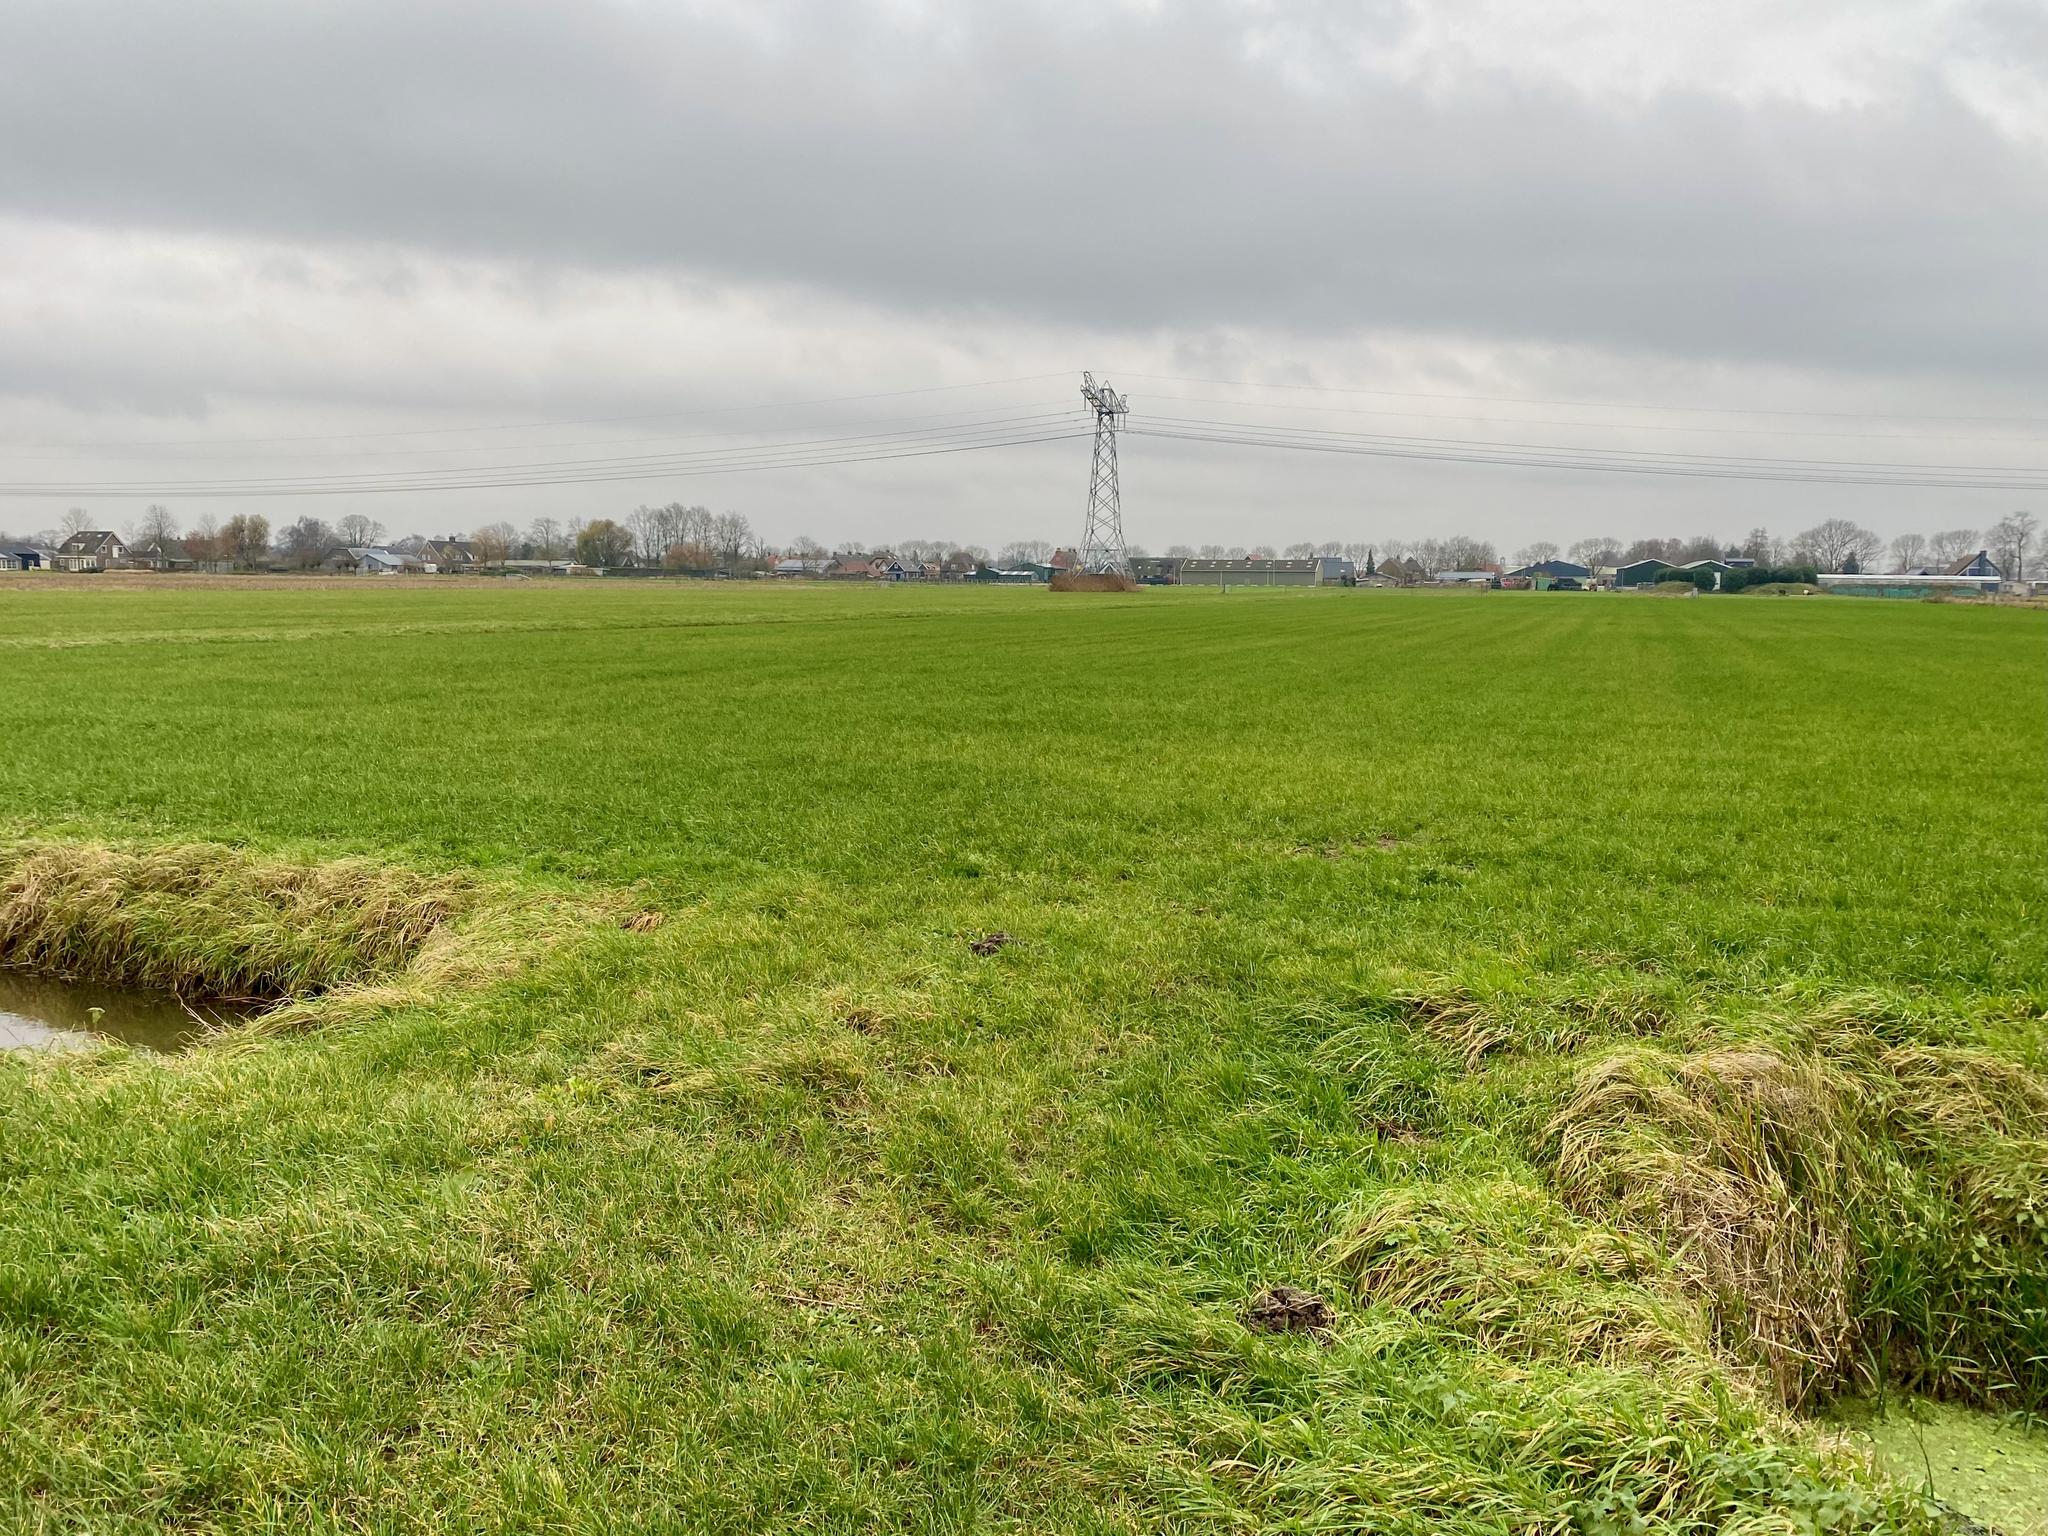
<point>1497,1262</point>
<point>210,921</point>
<point>1853,1212</point>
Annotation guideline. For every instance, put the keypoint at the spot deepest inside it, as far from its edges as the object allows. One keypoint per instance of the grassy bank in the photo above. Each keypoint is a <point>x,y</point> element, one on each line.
<point>798,1212</point>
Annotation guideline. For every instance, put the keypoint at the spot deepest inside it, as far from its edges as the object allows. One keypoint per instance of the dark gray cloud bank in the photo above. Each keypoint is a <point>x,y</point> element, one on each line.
<point>257,221</point>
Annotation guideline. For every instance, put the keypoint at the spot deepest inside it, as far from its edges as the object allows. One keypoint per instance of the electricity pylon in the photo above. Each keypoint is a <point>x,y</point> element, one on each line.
<point>1102,543</point>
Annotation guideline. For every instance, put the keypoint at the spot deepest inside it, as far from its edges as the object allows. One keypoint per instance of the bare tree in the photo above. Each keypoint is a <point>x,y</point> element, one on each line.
<point>1946,548</point>
<point>1909,551</point>
<point>545,535</point>
<point>245,538</point>
<point>2009,542</point>
<point>1301,551</point>
<point>1839,544</point>
<point>155,526</point>
<point>492,543</point>
<point>306,542</point>
<point>1459,552</point>
<point>1595,552</point>
<point>1702,546</point>
<point>732,536</point>
<point>1536,553</point>
<point>358,530</point>
<point>650,533</point>
<point>1760,547</point>
<point>204,541</point>
<point>76,520</point>
<point>1026,552</point>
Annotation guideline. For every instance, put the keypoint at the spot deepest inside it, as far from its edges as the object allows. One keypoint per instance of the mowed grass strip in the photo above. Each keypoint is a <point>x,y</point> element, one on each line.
<point>798,1213</point>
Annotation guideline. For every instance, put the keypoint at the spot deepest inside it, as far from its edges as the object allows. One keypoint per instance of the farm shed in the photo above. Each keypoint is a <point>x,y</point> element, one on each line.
<point>1639,573</point>
<point>1156,570</point>
<point>1546,573</point>
<point>1248,573</point>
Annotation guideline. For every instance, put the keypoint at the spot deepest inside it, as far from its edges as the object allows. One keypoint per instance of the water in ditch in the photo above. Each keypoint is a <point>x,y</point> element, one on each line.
<point>1989,1468</point>
<point>42,1013</point>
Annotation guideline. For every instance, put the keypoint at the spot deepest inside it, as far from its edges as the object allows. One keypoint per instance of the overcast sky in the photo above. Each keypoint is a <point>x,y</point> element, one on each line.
<point>242,240</point>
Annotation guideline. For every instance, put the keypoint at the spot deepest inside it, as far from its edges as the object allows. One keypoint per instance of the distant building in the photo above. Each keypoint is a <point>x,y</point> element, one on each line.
<point>1402,572</point>
<point>1334,571</point>
<point>794,567</point>
<point>1979,564</point>
<point>160,554</point>
<point>1157,570</point>
<point>1465,578</point>
<point>1249,573</point>
<point>1550,570</point>
<point>364,560</point>
<point>448,555</point>
<point>93,550</point>
<point>1639,573</point>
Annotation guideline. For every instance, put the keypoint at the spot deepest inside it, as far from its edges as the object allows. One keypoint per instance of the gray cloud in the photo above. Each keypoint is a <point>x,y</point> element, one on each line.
<point>1127,170</point>
<point>268,219</point>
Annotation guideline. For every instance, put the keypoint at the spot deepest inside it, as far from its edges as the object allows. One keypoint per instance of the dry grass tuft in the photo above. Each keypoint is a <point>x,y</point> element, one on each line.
<point>213,922</point>
<point>1477,1025</point>
<point>1736,1158</point>
<point>1852,1212</point>
<point>1497,1262</point>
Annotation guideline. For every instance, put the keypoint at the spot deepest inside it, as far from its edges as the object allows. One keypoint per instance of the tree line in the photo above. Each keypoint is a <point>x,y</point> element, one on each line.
<point>681,537</point>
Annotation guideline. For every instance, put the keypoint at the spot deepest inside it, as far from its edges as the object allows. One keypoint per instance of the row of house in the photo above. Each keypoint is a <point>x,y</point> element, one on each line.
<point>433,556</point>
<point>99,549</point>
<point>885,566</point>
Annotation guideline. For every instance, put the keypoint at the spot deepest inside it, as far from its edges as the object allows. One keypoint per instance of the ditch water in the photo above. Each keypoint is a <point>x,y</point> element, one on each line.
<point>1991,1468</point>
<point>41,1013</point>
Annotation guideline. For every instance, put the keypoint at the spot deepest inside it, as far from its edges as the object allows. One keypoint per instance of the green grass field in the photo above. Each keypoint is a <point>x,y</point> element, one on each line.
<point>1461,958</point>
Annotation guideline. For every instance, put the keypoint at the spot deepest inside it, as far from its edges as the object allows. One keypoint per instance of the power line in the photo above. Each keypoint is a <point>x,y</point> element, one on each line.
<point>598,479</point>
<point>571,421</point>
<point>1598,405</point>
<point>601,442</point>
<point>1643,453</point>
<point>1698,469</point>
<point>428,479</point>
<point>1605,426</point>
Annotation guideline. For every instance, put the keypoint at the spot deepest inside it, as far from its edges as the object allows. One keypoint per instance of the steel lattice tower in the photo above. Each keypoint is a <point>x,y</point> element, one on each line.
<point>1102,543</point>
